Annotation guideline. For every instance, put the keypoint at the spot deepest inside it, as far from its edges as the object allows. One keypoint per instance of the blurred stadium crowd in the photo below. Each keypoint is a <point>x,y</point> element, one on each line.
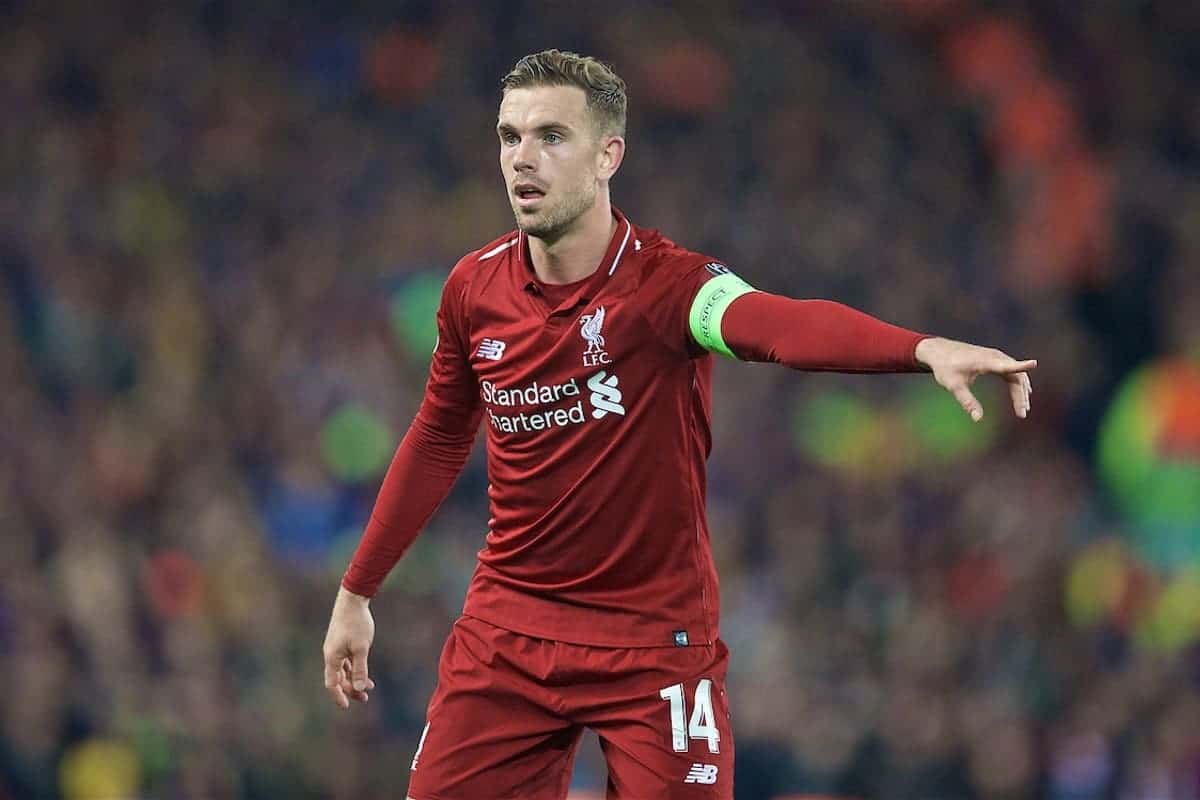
<point>223,230</point>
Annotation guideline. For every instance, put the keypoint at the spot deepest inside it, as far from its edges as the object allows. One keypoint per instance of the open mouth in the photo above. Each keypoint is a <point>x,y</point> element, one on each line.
<point>528,194</point>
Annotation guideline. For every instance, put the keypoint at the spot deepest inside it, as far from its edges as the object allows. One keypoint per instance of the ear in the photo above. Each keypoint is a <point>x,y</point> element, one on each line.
<point>609,157</point>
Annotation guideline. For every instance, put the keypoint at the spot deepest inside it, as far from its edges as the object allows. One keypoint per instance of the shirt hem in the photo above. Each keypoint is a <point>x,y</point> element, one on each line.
<point>594,642</point>
<point>514,617</point>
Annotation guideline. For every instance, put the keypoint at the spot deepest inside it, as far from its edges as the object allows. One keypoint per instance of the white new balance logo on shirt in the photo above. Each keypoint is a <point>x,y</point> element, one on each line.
<point>491,349</point>
<point>702,773</point>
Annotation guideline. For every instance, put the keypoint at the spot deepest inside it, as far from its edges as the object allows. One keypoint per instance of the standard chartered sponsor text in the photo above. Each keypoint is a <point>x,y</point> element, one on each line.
<point>529,395</point>
<point>538,420</point>
<point>534,394</point>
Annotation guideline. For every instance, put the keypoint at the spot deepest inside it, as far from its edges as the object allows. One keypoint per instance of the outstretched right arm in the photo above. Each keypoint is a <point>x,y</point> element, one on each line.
<point>425,467</point>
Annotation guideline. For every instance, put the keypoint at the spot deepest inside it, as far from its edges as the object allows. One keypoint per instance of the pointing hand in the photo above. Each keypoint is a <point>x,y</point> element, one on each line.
<point>956,365</point>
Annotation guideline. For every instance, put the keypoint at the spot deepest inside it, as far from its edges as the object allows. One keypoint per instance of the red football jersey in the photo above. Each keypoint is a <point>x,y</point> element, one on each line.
<point>597,419</point>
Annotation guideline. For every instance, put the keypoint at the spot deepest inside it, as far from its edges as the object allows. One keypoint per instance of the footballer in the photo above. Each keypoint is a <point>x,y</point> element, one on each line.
<point>583,343</point>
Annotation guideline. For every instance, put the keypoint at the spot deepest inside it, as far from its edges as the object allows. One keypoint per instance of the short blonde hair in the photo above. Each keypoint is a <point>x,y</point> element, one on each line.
<point>604,88</point>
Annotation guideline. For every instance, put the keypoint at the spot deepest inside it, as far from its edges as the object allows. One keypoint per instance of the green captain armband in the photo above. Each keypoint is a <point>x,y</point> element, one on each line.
<point>709,307</point>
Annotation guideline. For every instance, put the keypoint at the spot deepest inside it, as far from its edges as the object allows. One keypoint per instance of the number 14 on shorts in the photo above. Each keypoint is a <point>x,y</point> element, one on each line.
<point>702,724</point>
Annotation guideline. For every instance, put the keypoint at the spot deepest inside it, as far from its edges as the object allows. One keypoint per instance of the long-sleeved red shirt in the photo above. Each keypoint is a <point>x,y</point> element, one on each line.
<point>596,401</point>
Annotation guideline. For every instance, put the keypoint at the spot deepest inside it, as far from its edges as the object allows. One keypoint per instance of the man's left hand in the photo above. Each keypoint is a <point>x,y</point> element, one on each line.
<point>956,365</point>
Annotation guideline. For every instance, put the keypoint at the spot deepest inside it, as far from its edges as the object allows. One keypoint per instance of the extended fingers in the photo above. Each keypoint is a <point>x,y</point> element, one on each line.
<point>1003,364</point>
<point>1017,389</point>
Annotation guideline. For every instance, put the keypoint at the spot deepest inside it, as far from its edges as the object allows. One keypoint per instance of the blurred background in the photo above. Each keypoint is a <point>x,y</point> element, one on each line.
<point>224,226</point>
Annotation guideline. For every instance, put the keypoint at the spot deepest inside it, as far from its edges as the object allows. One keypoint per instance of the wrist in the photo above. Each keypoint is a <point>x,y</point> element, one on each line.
<point>345,596</point>
<point>922,353</point>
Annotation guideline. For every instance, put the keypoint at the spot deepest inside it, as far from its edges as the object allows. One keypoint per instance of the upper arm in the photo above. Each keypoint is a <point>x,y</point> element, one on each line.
<point>708,308</point>
<point>687,310</point>
<point>451,400</point>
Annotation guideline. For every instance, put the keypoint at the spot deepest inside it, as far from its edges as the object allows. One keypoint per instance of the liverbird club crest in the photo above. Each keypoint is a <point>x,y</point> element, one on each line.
<point>590,329</point>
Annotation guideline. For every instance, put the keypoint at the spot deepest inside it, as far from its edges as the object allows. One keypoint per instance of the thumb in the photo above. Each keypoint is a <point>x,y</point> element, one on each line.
<point>968,401</point>
<point>331,680</point>
<point>358,670</point>
<point>331,672</point>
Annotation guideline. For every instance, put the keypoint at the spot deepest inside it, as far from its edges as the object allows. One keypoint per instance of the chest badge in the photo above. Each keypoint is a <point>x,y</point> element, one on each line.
<point>590,328</point>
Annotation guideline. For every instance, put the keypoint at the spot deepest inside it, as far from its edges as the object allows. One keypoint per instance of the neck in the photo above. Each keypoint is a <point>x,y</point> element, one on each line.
<point>578,252</point>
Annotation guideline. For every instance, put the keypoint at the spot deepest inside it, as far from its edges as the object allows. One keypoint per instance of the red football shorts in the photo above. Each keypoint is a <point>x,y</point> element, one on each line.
<point>506,718</point>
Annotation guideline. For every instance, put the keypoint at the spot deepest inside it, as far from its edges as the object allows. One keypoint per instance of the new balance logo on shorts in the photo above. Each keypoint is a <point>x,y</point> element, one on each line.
<point>702,773</point>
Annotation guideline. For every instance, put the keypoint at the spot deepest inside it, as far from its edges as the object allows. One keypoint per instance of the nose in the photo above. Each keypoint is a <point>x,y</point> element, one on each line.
<point>525,159</point>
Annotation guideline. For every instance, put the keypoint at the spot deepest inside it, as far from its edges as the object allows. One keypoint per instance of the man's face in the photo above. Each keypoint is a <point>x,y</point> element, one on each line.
<point>550,156</point>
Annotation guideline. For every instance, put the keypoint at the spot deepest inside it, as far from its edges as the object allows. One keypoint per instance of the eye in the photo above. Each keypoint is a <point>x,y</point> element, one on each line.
<point>553,138</point>
<point>509,138</point>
